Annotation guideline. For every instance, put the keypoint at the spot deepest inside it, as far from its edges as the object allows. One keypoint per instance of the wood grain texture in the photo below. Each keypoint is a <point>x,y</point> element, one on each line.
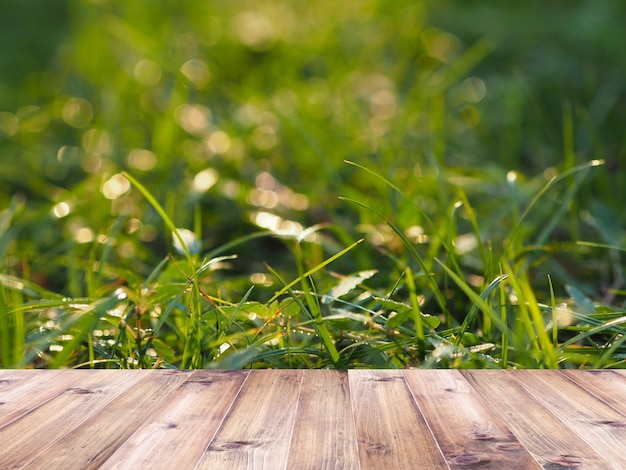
<point>26,439</point>
<point>467,431</point>
<point>608,385</point>
<point>547,438</point>
<point>178,433</point>
<point>23,391</point>
<point>598,424</point>
<point>257,431</point>
<point>324,435</point>
<point>113,424</point>
<point>277,419</point>
<point>391,432</point>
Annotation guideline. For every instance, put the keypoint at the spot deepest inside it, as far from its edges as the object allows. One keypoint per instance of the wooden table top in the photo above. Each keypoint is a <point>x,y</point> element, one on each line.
<point>275,419</point>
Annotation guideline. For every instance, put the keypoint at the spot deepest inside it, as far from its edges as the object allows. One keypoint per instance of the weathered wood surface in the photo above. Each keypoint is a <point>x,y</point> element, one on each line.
<point>275,419</point>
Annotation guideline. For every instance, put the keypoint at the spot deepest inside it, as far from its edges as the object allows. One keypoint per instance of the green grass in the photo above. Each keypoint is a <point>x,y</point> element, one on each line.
<point>364,184</point>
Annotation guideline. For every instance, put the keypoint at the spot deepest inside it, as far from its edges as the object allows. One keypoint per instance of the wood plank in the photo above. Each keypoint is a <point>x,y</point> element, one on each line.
<point>324,436</point>
<point>548,439</point>
<point>608,385</point>
<point>312,419</point>
<point>391,432</point>
<point>177,435</point>
<point>23,391</point>
<point>258,429</point>
<point>467,431</point>
<point>112,425</point>
<point>30,436</point>
<point>600,425</point>
<point>7,376</point>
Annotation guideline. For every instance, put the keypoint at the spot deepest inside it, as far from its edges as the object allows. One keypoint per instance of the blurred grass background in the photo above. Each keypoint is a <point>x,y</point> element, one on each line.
<point>238,117</point>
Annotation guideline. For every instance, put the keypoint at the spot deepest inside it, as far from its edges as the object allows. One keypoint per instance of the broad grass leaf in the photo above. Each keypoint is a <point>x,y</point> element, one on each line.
<point>403,313</point>
<point>346,285</point>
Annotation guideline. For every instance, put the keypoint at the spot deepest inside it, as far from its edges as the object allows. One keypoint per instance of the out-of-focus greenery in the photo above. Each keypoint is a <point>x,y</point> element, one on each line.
<point>477,147</point>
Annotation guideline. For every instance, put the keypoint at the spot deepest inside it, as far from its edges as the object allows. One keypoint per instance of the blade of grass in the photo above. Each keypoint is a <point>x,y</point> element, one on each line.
<point>503,318</point>
<point>319,325</point>
<point>605,326</point>
<point>435,288</point>
<point>471,215</point>
<point>553,181</point>
<point>313,270</point>
<point>484,295</point>
<point>556,217</point>
<point>478,301</point>
<point>555,326</point>
<point>600,245</point>
<point>193,343</point>
<point>157,207</point>
<point>569,161</point>
<point>85,323</point>
<point>448,248</point>
<point>532,314</point>
<point>415,306</point>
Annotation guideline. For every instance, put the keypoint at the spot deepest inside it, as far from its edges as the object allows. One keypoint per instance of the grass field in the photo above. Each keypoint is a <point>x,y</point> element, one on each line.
<point>331,184</point>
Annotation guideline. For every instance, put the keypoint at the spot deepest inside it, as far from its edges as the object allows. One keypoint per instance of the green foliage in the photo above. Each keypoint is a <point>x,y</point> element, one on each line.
<point>272,184</point>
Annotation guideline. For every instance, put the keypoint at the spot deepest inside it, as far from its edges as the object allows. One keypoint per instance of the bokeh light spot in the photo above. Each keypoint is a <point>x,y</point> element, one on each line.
<point>83,235</point>
<point>438,44</point>
<point>197,72</point>
<point>189,239</point>
<point>115,186</point>
<point>511,177</point>
<point>97,141</point>
<point>60,210</point>
<point>218,142</point>
<point>473,89</point>
<point>77,112</point>
<point>142,159</point>
<point>264,137</point>
<point>383,104</point>
<point>204,180</point>
<point>193,118</point>
<point>255,30</point>
<point>147,72</point>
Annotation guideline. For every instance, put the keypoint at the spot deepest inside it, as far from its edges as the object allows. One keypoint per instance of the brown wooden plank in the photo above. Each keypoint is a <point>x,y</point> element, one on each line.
<point>24,390</point>
<point>324,435</point>
<point>467,431</point>
<point>607,385</point>
<point>26,438</point>
<point>600,425</point>
<point>93,441</point>
<point>391,432</point>
<point>257,431</point>
<point>8,376</point>
<point>177,435</point>
<point>551,442</point>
